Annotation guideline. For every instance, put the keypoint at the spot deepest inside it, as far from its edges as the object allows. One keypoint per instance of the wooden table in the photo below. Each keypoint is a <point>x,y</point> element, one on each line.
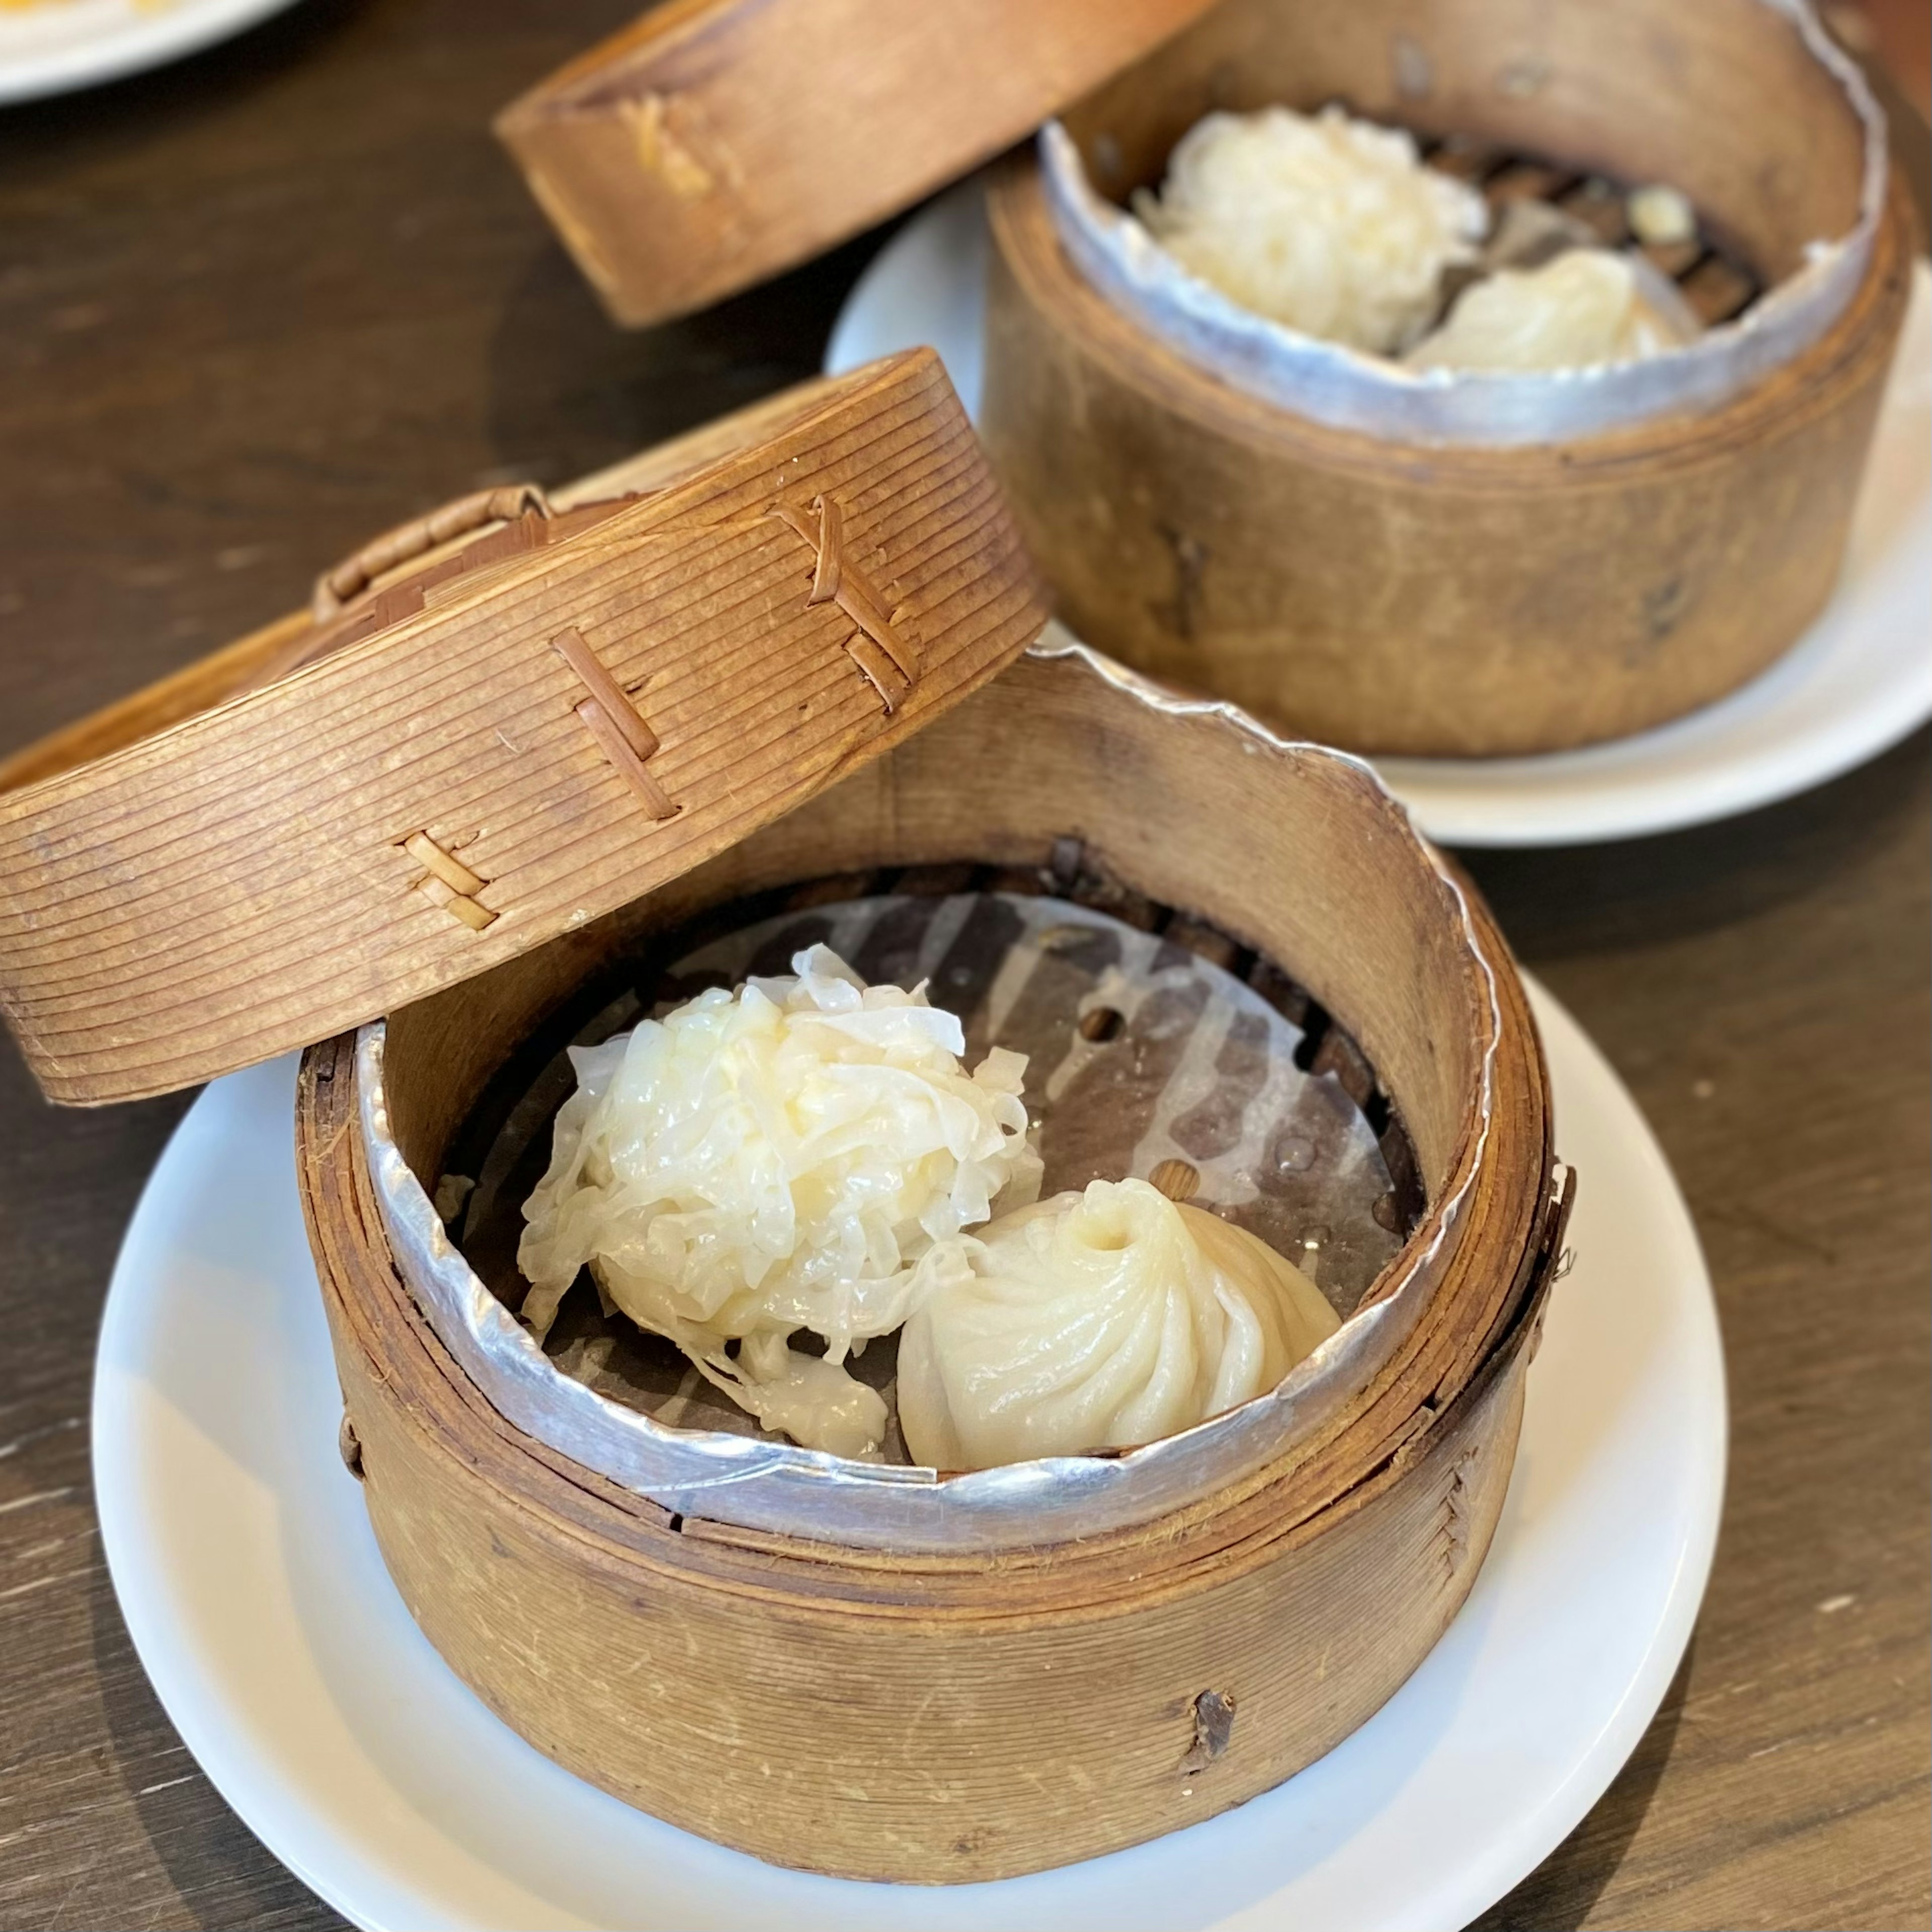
<point>255,307</point>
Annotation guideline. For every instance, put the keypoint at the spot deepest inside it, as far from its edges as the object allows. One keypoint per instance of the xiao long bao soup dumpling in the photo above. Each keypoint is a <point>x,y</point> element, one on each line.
<point>1096,1320</point>
<point>1337,228</point>
<point>774,1159</point>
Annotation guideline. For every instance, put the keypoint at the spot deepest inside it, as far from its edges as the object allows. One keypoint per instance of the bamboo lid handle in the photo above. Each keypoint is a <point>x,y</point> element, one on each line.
<point>334,588</point>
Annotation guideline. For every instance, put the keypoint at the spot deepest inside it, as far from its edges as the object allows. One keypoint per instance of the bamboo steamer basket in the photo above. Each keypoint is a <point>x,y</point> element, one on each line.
<point>715,143</point>
<point>794,643</point>
<point>933,1716</point>
<point>1397,594</point>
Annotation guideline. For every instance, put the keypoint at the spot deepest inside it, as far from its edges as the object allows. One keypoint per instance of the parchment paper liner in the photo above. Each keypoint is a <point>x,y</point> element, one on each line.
<point>775,1486</point>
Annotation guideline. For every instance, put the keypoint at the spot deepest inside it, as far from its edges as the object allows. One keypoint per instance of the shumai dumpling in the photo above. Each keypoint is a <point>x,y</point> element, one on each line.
<point>1096,1320</point>
<point>774,1158</point>
<point>1332,225</point>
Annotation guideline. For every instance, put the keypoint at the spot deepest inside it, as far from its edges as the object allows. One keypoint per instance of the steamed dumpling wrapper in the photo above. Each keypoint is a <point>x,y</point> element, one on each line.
<point>1094,1321</point>
<point>774,1158</point>
<point>1586,308</point>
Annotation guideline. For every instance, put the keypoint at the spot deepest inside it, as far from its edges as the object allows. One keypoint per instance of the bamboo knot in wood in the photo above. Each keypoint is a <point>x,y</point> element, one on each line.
<point>612,720</point>
<point>1213,1731</point>
<point>889,660</point>
<point>1458,1513</point>
<point>448,883</point>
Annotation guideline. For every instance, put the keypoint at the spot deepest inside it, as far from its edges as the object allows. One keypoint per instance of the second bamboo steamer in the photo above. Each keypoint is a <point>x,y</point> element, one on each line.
<point>1395,595</point>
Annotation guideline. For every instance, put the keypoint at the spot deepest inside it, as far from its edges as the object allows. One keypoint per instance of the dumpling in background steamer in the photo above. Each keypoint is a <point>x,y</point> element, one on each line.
<point>1586,308</point>
<point>1093,1320</point>
<point>1331,225</point>
<point>771,1159</point>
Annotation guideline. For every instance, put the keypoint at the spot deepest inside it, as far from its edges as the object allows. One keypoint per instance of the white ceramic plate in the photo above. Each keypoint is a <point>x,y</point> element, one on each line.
<point>54,46</point>
<point>252,1585</point>
<point>1858,681</point>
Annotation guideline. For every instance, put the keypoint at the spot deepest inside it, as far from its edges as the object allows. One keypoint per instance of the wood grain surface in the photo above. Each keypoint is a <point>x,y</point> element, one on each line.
<point>716,142</point>
<point>255,307</point>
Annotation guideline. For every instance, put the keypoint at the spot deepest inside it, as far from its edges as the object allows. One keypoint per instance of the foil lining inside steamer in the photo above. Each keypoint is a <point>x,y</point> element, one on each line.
<point>1344,388</point>
<point>727,1474</point>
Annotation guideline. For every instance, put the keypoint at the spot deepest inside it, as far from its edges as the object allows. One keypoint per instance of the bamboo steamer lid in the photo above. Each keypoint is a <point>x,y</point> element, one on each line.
<point>715,143</point>
<point>473,744</point>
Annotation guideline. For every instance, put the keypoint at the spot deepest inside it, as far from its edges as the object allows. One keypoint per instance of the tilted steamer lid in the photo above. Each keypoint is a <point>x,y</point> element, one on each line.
<point>715,143</point>
<point>473,744</point>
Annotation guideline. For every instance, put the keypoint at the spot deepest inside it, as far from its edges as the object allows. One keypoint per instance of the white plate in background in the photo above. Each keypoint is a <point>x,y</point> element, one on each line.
<point>54,46</point>
<point>1859,681</point>
<point>257,1599</point>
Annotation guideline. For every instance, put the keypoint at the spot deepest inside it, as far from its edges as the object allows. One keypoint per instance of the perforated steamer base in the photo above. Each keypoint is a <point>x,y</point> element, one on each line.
<point>1716,278</point>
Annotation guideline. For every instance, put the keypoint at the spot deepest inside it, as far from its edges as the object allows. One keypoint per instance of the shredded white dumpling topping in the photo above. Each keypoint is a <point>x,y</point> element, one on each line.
<point>1331,225</point>
<point>1583,309</point>
<point>1093,1321</point>
<point>776,1159</point>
